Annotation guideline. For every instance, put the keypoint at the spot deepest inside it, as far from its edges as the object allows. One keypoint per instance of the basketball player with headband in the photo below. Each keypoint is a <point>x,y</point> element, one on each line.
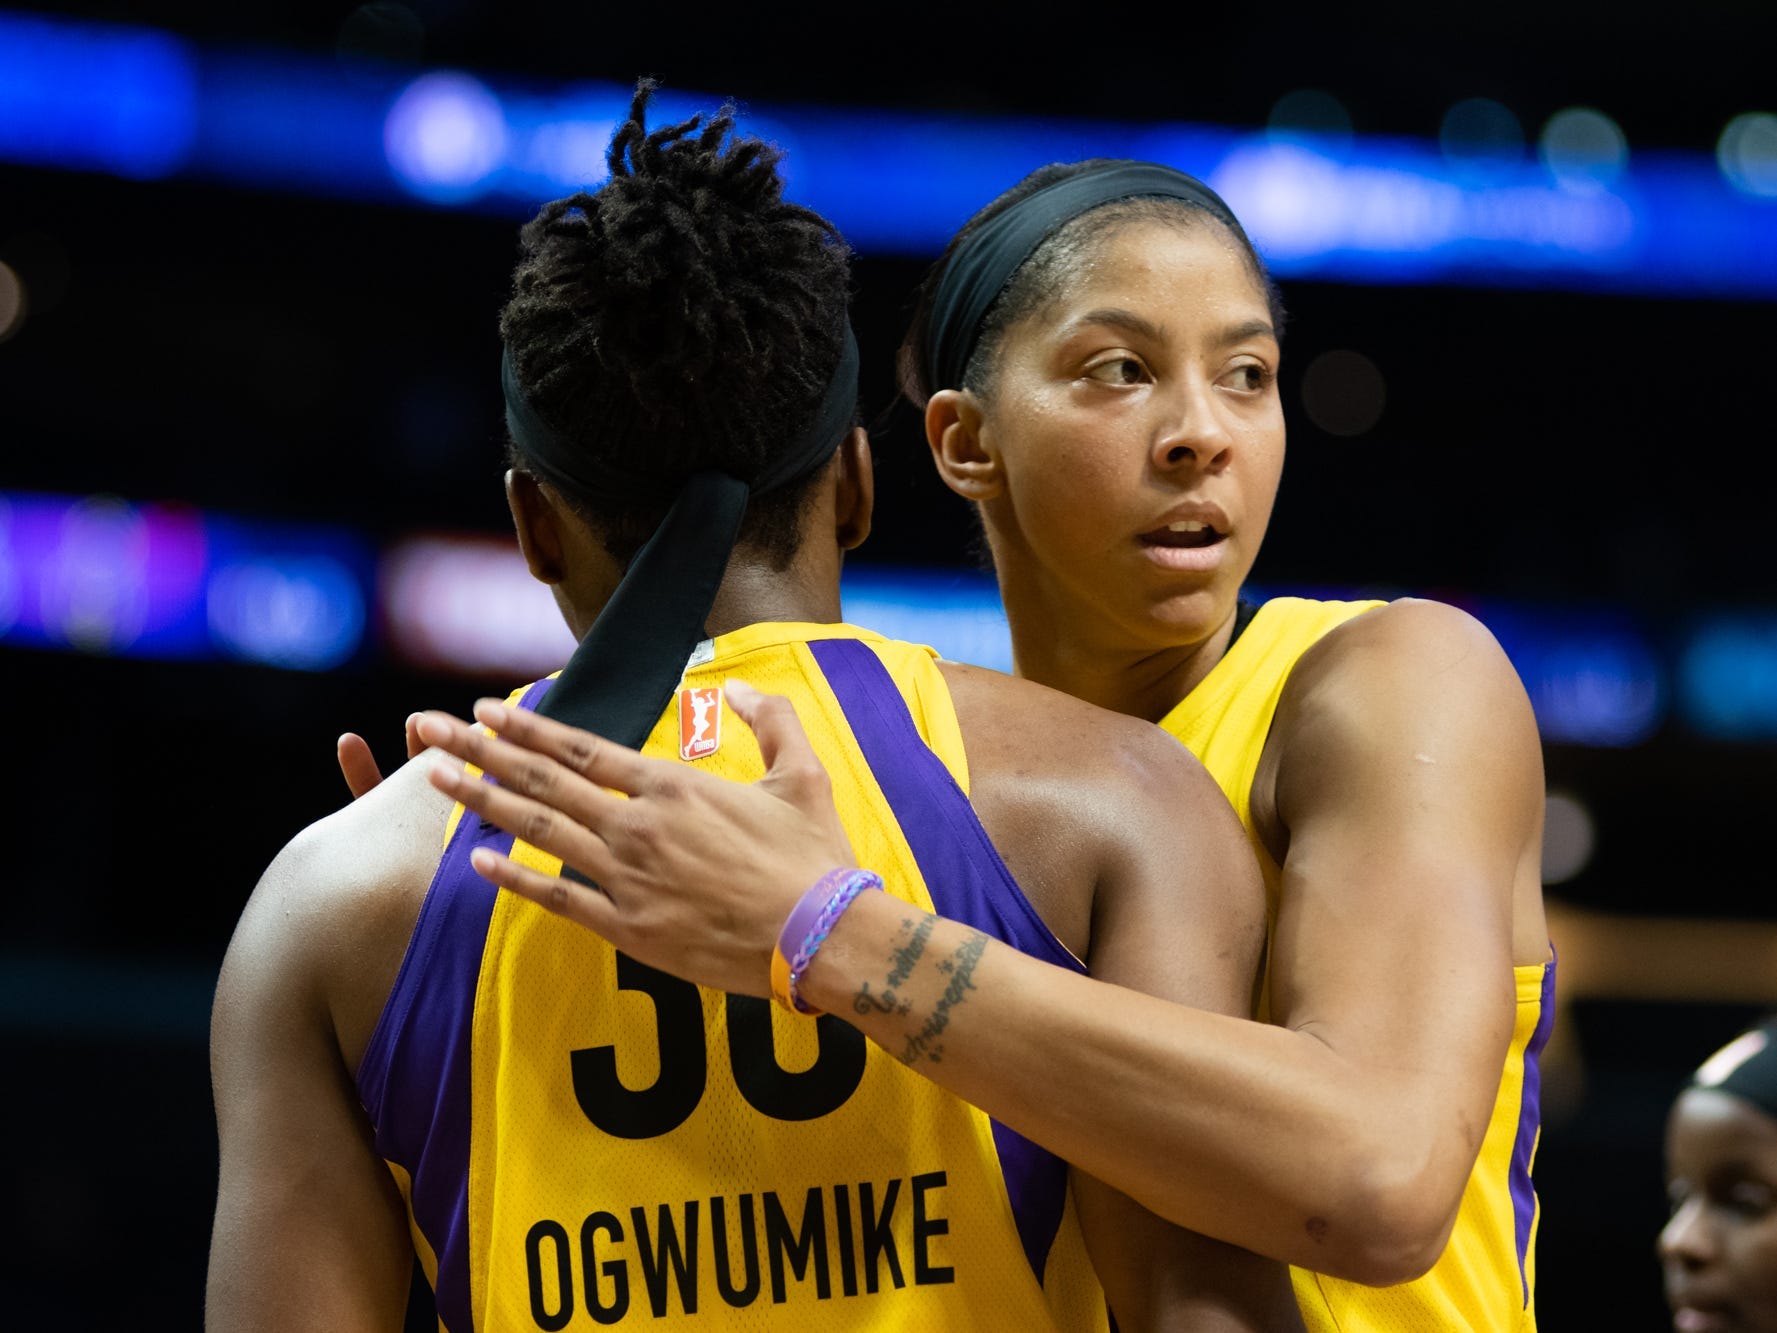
<point>1096,355</point>
<point>409,1062</point>
<point>1719,1251</point>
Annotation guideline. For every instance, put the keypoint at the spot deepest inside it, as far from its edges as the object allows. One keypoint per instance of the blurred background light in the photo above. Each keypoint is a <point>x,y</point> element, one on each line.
<point>1480,134</point>
<point>1312,114</point>
<point>101,575</point>
<point>1343,392</point>
<point>1727,677</point>
<point>1747,153</point>
<point>95,97</point>
<point>956,612</point>
<point>303,612</point>
<point>564,153</point>
<point>14,301</point>
<point>1569,836</point>
<point>1593,678</point>
<point>94,593</point>
<point>39,261</point>
<point>98,574</point>
<point>469,604</point>
<point>1321,201</point>
<point>1584,149</point>
<point>445,136</point>
<point>288,595</point>
<point>11,571</point>
<point>1401,215</point>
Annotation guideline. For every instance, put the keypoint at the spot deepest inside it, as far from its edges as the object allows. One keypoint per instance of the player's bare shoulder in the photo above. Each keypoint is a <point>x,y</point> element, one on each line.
<point>1066,789</point>
<point>1016,727</point>
<point>328,923</point>
<point>1413,634</point>
<point>1410,656</point>
<point>1414,678</point>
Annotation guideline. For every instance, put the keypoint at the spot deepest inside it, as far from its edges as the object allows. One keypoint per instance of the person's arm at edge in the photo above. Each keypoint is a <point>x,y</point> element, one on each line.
<point>310,1231</point>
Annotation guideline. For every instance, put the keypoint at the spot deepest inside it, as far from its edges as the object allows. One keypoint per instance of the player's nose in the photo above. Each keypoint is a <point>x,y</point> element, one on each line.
<point>1190,432</point>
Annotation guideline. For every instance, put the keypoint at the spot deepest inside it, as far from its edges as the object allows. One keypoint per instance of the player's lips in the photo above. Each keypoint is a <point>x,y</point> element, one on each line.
<point>1708,1317</point>
<point>1191,536</point>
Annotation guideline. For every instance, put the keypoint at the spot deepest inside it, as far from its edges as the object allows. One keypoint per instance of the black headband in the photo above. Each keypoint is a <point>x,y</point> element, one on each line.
<point>985,260</point>
<point>631,660</point>
<point>1746,1068</point>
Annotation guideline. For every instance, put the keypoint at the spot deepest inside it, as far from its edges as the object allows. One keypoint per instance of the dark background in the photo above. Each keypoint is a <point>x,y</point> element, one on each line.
<point>273,356</point>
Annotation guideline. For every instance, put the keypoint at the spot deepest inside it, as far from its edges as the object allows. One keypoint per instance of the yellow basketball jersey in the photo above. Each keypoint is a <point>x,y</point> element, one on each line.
<point>1486,1279</point>
<point>584,1140</point>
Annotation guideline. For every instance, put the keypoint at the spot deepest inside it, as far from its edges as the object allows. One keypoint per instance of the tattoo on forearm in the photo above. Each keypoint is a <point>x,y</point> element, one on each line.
<point>961,968</point>
<point>888,1000</point>
<point>909,953</point>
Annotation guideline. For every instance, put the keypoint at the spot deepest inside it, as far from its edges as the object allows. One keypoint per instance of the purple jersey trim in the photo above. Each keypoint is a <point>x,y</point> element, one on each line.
<point>967,880</point>
<point>1529,1119</point>
<point>414,1079</point>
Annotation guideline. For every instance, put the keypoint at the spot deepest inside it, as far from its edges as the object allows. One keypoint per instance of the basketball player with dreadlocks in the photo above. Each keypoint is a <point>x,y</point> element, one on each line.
<point>409,1062</point>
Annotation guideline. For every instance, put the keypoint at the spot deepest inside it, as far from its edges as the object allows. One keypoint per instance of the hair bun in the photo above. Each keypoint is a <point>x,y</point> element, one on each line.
<point>684,314</point>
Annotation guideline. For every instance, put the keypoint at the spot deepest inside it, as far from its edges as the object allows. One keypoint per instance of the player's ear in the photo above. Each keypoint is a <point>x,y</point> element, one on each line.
<point>537,521</point>
<point>855,490</point>
<point>961,447</point>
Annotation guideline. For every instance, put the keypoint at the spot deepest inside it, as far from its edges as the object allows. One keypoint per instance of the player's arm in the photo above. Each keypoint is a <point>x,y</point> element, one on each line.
<point>1179,913</point>
<point>1409,789</point>
<point>1341,1137</point>
<point>310,1232</point>
<point>1338,1140</point>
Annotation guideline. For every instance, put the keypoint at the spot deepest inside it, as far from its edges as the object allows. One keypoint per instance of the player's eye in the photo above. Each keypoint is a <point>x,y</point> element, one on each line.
<point>1249,377</point>
<point>1117,370</point>
<point>1750,1199</point>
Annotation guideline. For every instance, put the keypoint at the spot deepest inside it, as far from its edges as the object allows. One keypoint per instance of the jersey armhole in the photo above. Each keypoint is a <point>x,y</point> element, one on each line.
<point>963,871</point>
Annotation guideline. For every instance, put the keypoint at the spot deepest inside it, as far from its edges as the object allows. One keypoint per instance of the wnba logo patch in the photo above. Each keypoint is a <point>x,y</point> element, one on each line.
<point>700,722</point>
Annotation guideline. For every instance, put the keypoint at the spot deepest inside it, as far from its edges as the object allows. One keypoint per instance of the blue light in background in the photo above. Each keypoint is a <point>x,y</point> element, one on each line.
<point>1727,677</point>
<point>1747,153</point>
<point>101,575</point>
<point>445,137</point>
<point>287,595</point>
<point>98,574</point>
<point>301,612</point>
<point>1398,213</point>
<point>1593,677</point>
<point>954,611</point>
<point>1340,207</point>
<point>279,121</point>
<point>94,97</point>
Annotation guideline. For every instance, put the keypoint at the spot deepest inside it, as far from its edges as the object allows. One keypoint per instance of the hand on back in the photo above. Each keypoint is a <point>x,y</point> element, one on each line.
<point>690,873</point>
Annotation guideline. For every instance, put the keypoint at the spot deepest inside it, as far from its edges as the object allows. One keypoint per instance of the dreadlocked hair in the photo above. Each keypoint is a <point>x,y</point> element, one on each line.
<point>682,316</point>
<point>1040,278</point>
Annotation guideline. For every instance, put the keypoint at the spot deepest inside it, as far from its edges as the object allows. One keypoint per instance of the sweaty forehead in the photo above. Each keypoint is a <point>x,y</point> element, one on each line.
<point>1162,270</point>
